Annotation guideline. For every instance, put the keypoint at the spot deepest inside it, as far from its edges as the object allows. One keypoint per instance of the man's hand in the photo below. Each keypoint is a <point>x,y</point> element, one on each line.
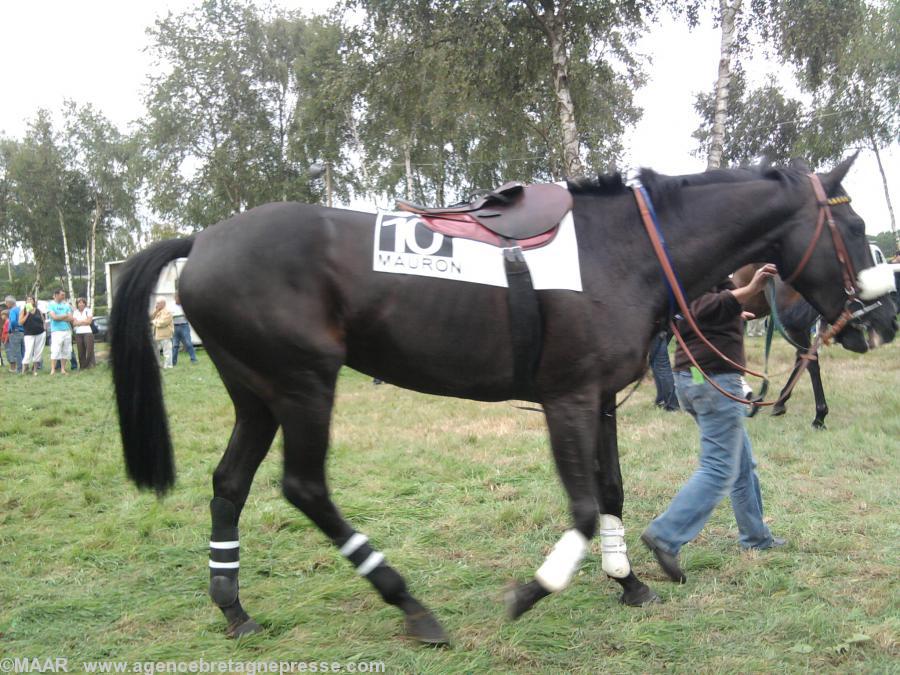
<point>757,283</point>
<point>761,276</point>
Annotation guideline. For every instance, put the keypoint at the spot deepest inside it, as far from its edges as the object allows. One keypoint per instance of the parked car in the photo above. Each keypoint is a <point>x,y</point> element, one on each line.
<point>101,322</point>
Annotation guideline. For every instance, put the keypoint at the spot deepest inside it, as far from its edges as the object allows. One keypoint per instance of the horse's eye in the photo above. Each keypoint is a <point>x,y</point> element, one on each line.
<point>856,228</point>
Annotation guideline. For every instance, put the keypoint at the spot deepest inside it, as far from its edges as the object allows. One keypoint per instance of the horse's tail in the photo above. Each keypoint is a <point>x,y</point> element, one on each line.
<point>142,415</point>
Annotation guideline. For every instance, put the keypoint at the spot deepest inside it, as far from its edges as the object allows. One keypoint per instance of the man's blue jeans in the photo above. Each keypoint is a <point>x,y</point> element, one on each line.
<point>183,336</point>
<point>15,349</point>
<point>726,467</point>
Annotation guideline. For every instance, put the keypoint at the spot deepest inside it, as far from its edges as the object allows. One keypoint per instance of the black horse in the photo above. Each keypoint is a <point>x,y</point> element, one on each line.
<point>301,277</point>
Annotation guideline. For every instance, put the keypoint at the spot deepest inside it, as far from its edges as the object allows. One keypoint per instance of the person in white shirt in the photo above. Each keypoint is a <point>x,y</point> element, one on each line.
<point>182,333</point>
<point>84,336</point>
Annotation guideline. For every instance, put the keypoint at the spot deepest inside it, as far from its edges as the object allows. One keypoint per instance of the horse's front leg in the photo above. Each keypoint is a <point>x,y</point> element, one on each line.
<point>572,422</point>
<point>611,498</point>
<point>815,376</point>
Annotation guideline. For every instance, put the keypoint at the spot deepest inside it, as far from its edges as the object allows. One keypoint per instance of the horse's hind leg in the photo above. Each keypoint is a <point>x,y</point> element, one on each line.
<point>306,422</point>
<point>572,422</point>
<point>254,429</point>
<point>611,498</point>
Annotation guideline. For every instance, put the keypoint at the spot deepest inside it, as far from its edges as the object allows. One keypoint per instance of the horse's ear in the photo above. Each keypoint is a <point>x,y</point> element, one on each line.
<point>832,179</point>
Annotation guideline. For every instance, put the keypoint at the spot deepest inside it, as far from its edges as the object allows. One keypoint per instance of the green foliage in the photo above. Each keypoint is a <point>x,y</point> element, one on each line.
<point>46,193</point>
<point>887,243</point>
<point>225,126</point>
<point>847,53</point>
<point>467,89</point>
<point>761,123</point>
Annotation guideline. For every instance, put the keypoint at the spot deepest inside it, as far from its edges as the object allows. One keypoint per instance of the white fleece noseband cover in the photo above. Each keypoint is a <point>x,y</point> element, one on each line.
<point>557,570</point>
<point>876,281</point>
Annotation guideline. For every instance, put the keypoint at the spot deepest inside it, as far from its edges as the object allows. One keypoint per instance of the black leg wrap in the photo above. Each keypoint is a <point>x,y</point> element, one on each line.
<point>223,570</point>
<point>224,557</point>
<point>223,590</point>
<point>523,597</point>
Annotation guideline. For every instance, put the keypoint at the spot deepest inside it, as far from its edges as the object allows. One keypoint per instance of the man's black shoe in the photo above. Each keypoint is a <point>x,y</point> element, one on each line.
<point>666,560</point>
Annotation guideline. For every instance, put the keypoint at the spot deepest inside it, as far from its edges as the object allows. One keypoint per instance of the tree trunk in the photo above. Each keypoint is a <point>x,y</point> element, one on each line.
<point>358,145</point>
<point>92,256</point>
<point>36,287</point>
<point>887,196</point>
<point>68,266</point>
<point>409,177</point>
<point>571,156</point>
<point>728,11</point>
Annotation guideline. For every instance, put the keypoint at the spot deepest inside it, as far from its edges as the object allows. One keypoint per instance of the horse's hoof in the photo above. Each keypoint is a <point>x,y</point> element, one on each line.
<point>641,597</point>
<point>819,425</point>
<point>778,411</point>
<point>249,627</point>
<point>426,629</point>
<point>522,597</point>
<point>515,605</point>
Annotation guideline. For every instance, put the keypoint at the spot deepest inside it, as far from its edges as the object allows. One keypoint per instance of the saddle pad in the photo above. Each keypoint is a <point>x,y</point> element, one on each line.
<point>404,244</point>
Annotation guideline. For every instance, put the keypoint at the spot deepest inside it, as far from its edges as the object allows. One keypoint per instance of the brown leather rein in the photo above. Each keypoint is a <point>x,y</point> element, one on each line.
<point>821,338</point>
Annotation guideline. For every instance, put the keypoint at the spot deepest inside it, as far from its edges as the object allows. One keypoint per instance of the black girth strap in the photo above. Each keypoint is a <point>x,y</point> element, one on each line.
<point>524,319</point>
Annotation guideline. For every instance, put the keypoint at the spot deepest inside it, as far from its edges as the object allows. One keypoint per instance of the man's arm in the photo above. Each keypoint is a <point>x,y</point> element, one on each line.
<point>757,283</point>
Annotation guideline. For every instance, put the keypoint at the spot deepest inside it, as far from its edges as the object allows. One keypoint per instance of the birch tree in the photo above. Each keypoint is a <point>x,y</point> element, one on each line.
<point>847,56</point>
<point>49,200</point>
<point>101,155</point>
<point>552,18</point>
<point>728,10</point>
<point>483,91</point>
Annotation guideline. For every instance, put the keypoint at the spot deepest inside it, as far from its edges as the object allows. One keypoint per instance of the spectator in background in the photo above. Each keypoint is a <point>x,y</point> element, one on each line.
<point>84,336</point>
<point>15,346</point>
<point>4,336</point>
<point>60,313</point>
<point>182,332</point>
<point>35,335</point>
<point>163,330</point>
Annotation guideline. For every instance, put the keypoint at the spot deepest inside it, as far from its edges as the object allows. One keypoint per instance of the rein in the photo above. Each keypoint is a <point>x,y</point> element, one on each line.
<point>650,224</point>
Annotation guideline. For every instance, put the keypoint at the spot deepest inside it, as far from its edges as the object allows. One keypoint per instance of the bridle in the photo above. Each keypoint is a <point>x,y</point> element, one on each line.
<point>854,308</point>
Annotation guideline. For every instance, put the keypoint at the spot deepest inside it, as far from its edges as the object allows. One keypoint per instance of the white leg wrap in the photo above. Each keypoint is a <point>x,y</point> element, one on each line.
<point>557,570</point>
<point>613,548</point>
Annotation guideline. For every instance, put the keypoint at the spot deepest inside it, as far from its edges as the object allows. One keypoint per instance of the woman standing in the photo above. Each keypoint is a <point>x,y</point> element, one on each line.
<point>35,335</point>
<point>84,336</point>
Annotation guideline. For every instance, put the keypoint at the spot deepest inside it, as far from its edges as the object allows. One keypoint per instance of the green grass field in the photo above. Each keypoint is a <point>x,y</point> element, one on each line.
<point>462,498</point>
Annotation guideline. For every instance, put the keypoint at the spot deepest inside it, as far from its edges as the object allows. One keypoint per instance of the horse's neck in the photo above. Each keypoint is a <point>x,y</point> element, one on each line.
<point>725,227</point>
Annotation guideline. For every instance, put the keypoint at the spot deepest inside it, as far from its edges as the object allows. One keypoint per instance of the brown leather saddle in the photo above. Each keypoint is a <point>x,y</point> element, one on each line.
<point>526,214</point>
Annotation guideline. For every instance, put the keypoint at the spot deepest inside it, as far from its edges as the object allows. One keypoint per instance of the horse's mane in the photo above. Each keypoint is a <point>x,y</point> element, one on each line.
<point>665,189</point>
